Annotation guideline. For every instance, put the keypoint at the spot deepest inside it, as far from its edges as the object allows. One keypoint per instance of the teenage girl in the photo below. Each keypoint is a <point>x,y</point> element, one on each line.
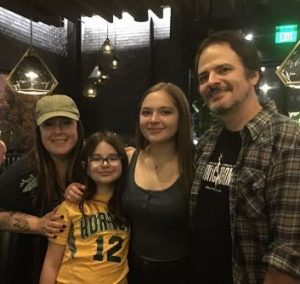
<point>156,196</point>
<point>94,246</point>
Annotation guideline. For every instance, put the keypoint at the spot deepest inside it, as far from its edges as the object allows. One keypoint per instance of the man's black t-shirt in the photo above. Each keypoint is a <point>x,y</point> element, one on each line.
<point>212,258</point>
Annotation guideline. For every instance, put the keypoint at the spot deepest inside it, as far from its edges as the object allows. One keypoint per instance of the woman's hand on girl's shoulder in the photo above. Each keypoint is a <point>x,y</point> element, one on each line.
<point>50,224</point>
<point>74,192</point>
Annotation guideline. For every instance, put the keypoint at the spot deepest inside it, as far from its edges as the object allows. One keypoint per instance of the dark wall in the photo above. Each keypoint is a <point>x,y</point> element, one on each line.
<point>116,107</point>
<point>163,60</point>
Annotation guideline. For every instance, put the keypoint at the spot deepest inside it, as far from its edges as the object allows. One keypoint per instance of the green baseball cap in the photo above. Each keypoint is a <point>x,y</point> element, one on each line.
<point>53,106</point>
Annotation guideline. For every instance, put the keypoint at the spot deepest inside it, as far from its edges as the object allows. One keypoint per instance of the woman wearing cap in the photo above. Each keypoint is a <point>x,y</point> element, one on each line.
<point>33,186</point>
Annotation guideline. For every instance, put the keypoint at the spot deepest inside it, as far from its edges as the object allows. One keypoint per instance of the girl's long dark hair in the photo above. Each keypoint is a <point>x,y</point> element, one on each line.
<point>114,140</point>
<point>41,161</point>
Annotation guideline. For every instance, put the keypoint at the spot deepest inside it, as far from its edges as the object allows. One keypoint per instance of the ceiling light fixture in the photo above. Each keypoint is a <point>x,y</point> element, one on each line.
<point>98,76</point>
<point>91,90</point>
<point>115,61</point>
<point>31,76</point>
<point>289,71</point>
<point>107,47</point>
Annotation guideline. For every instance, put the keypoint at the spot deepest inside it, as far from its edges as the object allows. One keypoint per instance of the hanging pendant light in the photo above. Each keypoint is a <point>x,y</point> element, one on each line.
<point>103,79</point>
<point>31,76</point>
<point>96,72</point>
<point>115,62</point>
<point>289,71</point>
<point>99,76</point>
<point>107,47</point>
<point>91,90</point>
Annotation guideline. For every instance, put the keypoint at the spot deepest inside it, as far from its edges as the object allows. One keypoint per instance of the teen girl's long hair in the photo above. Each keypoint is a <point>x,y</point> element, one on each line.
<point>114,140</point>
<point>183,138</point>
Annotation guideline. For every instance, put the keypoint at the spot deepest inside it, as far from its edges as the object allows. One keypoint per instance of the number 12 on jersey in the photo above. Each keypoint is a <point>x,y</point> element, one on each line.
<point>117,245</point>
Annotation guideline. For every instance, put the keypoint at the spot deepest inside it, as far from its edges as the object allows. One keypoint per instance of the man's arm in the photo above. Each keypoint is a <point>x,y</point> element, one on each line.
<point>48,225</point>
<point>283,199</point>
<point>274,276</point>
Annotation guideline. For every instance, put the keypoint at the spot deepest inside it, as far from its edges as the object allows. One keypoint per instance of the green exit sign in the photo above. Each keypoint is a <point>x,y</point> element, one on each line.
<point>285,34</point>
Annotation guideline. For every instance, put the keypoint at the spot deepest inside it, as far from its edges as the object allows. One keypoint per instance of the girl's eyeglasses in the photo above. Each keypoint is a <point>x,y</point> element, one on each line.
<point>110,159</point>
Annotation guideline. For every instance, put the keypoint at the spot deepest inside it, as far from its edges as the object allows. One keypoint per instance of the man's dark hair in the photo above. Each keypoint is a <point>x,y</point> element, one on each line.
<point>245,49</point>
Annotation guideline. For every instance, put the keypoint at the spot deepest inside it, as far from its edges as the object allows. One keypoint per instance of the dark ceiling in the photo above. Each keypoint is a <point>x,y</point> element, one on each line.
<point>51,11</point>
<point>212,12</point>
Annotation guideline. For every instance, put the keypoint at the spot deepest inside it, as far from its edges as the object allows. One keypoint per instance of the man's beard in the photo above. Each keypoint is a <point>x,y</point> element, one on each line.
<point>219,110</point>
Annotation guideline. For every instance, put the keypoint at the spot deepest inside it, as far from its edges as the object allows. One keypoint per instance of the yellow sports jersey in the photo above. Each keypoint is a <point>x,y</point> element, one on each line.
<point>96,247</point>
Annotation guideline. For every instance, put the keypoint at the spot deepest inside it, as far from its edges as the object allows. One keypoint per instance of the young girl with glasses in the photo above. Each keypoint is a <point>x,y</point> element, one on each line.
<point>93,248</point>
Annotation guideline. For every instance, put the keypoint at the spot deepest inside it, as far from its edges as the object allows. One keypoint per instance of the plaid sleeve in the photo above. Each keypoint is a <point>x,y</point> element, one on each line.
<point>284,204</point>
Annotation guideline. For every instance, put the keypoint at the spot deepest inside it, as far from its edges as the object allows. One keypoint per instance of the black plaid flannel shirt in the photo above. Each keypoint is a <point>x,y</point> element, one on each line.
<point>264,195</point>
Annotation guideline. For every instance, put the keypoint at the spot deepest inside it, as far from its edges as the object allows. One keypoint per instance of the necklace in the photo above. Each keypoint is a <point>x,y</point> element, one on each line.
<point>159,160</point>
<point>151,163</point>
